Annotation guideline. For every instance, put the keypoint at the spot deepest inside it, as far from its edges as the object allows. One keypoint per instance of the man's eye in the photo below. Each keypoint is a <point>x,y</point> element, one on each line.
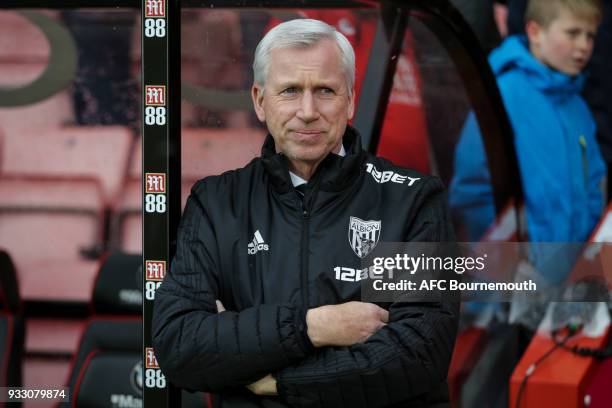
<point>289,91</point>
<point>326,91</point>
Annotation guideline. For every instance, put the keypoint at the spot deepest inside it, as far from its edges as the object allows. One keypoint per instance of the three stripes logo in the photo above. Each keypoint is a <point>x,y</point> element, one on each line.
<point>258,244</point>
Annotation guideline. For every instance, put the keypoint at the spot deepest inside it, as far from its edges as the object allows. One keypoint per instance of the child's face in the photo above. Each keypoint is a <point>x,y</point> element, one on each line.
<point>566,44</point>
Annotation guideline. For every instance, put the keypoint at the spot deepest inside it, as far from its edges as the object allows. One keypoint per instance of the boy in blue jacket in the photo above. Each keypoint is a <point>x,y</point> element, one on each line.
<point>540,78</point>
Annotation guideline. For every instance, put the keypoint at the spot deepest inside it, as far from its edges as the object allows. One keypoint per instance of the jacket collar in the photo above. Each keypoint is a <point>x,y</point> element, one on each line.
<point>334,172</point>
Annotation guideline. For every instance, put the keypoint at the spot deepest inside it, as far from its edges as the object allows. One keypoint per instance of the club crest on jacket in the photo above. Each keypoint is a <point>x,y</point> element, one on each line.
<point>363,235</point>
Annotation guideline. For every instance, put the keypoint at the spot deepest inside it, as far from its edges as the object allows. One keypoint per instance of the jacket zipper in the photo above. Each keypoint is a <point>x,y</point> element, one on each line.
<point>307,205</point>
<point>304,253</point>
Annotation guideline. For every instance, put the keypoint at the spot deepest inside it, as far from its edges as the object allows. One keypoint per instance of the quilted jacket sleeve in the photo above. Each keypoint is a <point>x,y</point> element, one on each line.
<point>406,359</point>
<point>200,349</point>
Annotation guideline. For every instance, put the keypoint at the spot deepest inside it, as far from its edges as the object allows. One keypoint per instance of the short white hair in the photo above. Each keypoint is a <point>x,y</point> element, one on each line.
<point>302,33</point>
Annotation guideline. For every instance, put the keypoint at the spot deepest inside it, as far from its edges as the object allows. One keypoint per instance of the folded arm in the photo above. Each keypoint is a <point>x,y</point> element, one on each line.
<point>200,349</point>
<point>406,358</point>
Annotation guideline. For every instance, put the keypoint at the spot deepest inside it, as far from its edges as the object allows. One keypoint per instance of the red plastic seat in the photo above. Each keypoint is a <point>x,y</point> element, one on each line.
<point>127,222</point>
<point>207,151</point>
<point>48,224</point>
<point>100,152</point>
<point>49,345</point>
<point>53,112</point>
<point>53,336</point>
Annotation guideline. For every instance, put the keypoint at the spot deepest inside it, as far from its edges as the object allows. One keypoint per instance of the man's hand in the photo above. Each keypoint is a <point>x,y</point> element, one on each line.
<point>344,324</point>
<point>264,386</point>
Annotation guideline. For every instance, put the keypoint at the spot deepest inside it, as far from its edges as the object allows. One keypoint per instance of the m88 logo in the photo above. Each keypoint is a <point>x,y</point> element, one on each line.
<point>154,378</point>
<point>155,272</point>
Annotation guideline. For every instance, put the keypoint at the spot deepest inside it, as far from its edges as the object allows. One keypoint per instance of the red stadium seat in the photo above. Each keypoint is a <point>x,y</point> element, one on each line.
<point>49,344</point>
<point>207,151</point>
<point>127,222</point>
<point>53,336</point>
<point>135,166</point>
<point>100,152</point>
<point>48,225</point>
<point>53,112</point>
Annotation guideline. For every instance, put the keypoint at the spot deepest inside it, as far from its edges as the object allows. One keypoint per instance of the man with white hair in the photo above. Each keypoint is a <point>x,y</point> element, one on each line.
<point>260,306</point>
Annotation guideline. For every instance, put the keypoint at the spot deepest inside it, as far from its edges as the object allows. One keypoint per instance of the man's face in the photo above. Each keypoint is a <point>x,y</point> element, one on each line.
<point>306,103</point>
<point>566,44</point>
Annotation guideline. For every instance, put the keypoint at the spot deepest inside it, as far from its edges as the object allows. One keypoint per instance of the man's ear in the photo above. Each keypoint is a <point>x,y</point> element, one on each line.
<point>351,106</point>
<point>257,95</point>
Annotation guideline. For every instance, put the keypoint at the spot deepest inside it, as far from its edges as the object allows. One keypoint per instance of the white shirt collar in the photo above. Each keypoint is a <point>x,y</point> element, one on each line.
<point>297,180</point>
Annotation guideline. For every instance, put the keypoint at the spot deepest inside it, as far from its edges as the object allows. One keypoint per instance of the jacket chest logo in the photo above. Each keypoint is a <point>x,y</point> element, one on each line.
<point>363,235</point>
<point>257,244</point>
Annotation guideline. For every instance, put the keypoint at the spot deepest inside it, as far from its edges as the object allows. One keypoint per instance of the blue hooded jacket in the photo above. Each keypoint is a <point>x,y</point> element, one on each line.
<point>554,136</point>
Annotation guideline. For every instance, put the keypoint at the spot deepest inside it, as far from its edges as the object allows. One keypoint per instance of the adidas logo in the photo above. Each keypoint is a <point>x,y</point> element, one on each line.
<point>257,244</point>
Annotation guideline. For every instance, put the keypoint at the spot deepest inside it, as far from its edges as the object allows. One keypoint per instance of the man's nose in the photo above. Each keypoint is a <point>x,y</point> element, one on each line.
<point>308,111</point>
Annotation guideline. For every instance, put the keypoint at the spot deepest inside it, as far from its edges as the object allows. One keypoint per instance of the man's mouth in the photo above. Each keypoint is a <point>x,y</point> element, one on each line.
<point>307,134</point>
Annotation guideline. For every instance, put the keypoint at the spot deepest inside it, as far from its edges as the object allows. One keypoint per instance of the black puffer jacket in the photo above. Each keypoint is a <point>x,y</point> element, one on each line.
<point>248,240</point>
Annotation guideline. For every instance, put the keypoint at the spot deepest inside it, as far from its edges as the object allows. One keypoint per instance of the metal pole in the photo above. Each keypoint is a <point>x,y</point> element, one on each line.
<point>156,125</point>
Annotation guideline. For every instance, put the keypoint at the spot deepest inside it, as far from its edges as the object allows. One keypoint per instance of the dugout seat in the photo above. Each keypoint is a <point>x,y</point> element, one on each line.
<point>99,152</point>
<point>205,152</point>
<point>107,369</point>
<point>54,112</point>
<point>49,345</point>
<point>126,223</point>
<point>12,328</point>
<point>49,226</point>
